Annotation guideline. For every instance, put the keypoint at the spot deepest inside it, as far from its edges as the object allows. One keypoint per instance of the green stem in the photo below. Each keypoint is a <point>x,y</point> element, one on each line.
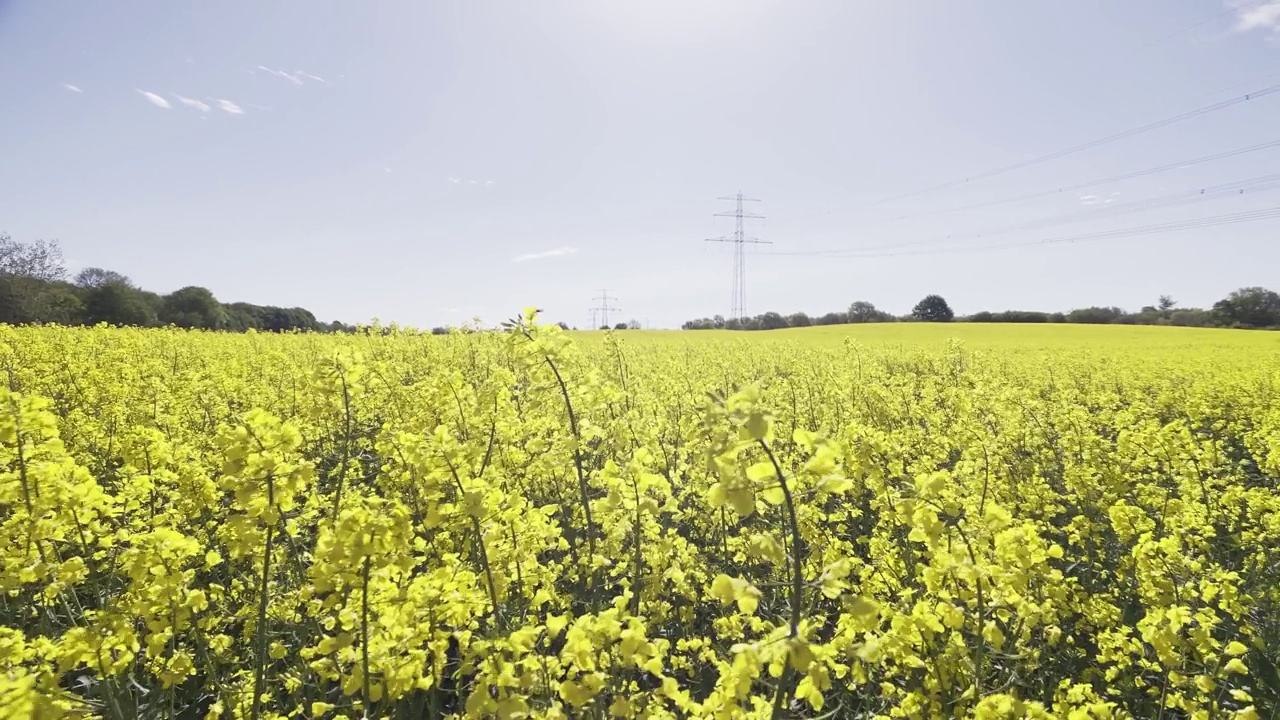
<point>980,649</point>
<point>259,675</point>
<point>577,461</point>
<point>364,635</point>
<point>483,552</point>
<point>797,581</point>
<point>346,445</point>
<point>639,557</point>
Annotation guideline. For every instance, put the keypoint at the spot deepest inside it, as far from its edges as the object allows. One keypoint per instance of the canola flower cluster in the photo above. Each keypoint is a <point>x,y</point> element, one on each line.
<point>529,525</point>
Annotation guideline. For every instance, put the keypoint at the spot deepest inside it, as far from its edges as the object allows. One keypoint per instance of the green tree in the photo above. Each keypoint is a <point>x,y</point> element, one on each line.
<point>933,308</point>
<point>243,316</point>
<point>864,312</point>
<point>799,320</point>
<point>337,326</point>
<point>1249,307</point>
<point>1096,315</point>
<point>771,321</point>
<point>193,307</point>
<point>118,303</point>
<point>93,277</point>
<point>276,319</point>
<point>40,260</point>
<point>31,283</point>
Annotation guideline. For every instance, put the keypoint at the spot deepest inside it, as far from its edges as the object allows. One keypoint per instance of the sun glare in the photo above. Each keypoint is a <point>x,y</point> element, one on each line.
<point>680,21</point>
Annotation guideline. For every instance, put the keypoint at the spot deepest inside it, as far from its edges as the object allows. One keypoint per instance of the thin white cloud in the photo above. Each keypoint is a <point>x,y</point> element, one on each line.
<point>230,107</point>
<point>1255,15</point>
<point>281,74</point>
<point>155,99</point>
<point>1099,200</point>
<point>455,180</point>
<point>296,77</point>
<point>557,252</point>
<point>386,169</point>
<point>194,103</point>
<point>71,87</point>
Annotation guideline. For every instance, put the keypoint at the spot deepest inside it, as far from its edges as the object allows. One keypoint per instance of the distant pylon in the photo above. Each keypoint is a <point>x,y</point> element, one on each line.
<point>738,304</point>
<point>604,308</point>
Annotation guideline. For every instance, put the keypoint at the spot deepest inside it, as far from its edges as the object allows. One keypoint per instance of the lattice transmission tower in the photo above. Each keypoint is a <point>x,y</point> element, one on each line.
<point>604,309</point>
<point>738,304</point>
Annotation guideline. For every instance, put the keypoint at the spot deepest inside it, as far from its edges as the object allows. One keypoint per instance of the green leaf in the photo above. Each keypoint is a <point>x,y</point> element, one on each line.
<point>742,500</point>
<point>761,472</point>
<point>860,606</point>
<point>757,425</point>
<point>767,548</point>
<point>801,655</point>
<point>716,496</point>
<point>773,495</point>
<point>804,438</point>
<point>722,588</point>
<point>833,484</point>
<point>822,462</point>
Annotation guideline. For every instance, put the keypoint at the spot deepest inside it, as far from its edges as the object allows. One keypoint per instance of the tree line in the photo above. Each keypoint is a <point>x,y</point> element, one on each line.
<point>1250,307</point>
<point>35,287</point>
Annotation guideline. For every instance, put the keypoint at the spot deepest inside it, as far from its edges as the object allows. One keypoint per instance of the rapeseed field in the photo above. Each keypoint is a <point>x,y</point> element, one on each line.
<point>892,521</point>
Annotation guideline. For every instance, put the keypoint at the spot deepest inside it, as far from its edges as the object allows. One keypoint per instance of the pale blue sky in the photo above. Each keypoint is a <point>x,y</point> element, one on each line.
<point>394,158</point>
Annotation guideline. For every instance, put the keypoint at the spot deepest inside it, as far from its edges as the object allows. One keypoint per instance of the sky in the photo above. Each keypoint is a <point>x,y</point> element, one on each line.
<point>432,162</point>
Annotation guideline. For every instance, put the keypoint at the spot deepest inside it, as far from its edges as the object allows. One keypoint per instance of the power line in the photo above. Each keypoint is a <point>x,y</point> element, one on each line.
<point>1212,221</point>
<point>1065,152</point>
<point>1234,188</point>
<point>1189,28</point>
<point>1236,86</point>
<point>1204,222</point>
<point>1215,192</point>
<point>1093,183</point>
<point>738,303</point>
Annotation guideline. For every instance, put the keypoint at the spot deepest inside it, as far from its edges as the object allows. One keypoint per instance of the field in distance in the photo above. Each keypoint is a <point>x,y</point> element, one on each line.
<point>983,335</point>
